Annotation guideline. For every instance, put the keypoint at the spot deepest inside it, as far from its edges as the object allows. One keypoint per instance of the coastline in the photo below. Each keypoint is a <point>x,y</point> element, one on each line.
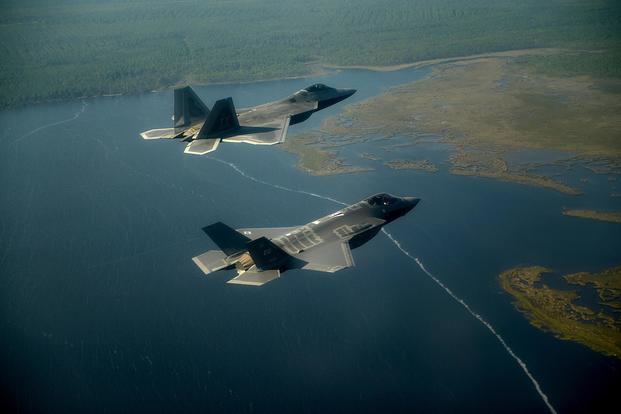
<point>318,69</point>
<point>484,108</point>
<point>428,62</point>
<point>314,73</point>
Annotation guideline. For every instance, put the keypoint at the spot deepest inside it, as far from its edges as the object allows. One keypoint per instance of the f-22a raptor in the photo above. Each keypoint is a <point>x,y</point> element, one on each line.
<point>261,255</point>
<point>265,124</point>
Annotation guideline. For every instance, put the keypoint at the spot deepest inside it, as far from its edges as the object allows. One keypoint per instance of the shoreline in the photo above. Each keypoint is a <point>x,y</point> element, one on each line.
<point>442,103</point>
<point>436,61</point>
<point>159,90</point>
<point>319,70</point>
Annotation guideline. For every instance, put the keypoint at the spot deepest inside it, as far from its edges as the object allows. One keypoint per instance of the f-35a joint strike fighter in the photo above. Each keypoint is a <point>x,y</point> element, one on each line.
<point>261,255</point>
<point>265,124</point>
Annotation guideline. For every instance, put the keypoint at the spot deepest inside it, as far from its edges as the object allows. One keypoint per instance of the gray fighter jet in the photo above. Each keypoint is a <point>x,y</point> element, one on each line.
<point>265,124</point>
<point>261,255</point>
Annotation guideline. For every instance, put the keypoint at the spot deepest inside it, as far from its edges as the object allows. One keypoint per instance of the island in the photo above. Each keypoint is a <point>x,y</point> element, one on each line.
<point>558,310</point>
<point>317,161</point>
<point>421,165</point>
<point>610,216</point>
<point>369,156</point>
<point>490,165</point>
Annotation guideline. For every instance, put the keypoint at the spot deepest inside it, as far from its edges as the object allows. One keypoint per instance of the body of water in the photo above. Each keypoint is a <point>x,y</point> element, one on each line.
<point>102,309</point>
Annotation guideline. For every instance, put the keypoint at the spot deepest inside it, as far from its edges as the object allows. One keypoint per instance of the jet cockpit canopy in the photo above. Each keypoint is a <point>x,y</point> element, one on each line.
<point>382,200</point>
<point>316,87</point>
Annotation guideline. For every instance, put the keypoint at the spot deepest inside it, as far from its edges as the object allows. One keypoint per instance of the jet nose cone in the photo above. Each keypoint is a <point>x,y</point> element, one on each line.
<point>411,202</point>
<point>349,92</point>
<point>345,93</point>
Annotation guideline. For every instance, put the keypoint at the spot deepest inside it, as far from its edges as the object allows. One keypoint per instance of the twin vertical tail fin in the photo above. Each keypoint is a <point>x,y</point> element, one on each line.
<point>222,118</point>
<point>189,113</point>
<point>228,240</point>
<point>266,255</point>
<point>188,109</point>
<point>258,261</point>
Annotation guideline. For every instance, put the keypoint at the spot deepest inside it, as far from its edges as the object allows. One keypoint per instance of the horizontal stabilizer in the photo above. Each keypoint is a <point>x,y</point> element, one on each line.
<point>211,261</point>
<point>227,239</point>
<point>162,133</point>
<point>202,146</point>
<point>255,278</point>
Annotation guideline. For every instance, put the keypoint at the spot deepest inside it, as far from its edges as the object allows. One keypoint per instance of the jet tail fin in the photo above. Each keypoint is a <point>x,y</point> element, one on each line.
<point>188,108</point>
<point>266,255</point>
<point>228,240</point>
<point>222,118</point>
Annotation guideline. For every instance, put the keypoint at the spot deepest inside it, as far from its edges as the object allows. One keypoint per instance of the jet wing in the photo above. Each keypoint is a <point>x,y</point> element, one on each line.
<point>269,133</point>
<point>270,232</point>
<point>329,257</point>
<point>255,278</point>
<point>202,146</point>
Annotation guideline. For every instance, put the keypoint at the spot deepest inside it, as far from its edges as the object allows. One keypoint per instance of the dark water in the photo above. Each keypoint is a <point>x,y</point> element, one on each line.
<point>102,309</point>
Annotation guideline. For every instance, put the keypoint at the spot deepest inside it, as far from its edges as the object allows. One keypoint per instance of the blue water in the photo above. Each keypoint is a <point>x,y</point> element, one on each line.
<point>102,309</point>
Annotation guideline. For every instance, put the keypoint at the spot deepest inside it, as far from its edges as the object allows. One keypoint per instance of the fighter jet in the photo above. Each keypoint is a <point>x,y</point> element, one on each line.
<point>261,255</point>
<point>265,124</point>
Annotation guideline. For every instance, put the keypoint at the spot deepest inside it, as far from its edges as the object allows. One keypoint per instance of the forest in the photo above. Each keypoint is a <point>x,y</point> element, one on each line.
<point>66,49</point>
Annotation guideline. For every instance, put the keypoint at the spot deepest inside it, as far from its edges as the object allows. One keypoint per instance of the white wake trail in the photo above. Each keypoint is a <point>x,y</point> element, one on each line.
<point>64,121</point>
<point>280,187</point>
<point>507,348</point>
<point>34,131</point>
<point>478,317</point>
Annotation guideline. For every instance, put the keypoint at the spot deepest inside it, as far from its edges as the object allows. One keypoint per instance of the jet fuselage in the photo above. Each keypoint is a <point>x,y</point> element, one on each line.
<point>365,217</point>
<point>299,106</point>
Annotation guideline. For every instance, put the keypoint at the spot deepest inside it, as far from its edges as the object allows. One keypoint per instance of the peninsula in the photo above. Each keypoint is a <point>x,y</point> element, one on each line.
<point>487,107</point>
<point>558,310</point>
